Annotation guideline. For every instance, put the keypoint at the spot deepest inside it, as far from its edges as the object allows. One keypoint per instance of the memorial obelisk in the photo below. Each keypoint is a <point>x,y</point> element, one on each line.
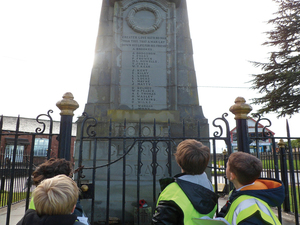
<point>144,70</point>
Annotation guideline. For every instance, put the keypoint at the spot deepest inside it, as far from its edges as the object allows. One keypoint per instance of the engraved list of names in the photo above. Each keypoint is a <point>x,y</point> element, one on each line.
<point>143,74</point>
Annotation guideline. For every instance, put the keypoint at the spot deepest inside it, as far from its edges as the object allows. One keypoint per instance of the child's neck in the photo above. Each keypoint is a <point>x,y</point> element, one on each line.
<point>237,184</point>
<point>241,186</point>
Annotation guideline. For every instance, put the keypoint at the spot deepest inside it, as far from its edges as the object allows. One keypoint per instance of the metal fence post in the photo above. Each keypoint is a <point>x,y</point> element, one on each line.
<point>241,110</point>
<point>284,175</point>
<point>67,106</point>
<point>225,157</point>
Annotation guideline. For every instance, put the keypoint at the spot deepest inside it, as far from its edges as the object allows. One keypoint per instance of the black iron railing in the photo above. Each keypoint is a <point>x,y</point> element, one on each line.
<point>280,161</point>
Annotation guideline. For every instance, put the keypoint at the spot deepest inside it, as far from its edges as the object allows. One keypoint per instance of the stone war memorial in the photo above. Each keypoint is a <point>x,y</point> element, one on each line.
<point>143,71</point>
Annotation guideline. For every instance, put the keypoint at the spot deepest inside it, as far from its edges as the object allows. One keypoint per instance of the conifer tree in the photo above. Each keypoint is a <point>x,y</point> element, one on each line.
<point>280,80</point>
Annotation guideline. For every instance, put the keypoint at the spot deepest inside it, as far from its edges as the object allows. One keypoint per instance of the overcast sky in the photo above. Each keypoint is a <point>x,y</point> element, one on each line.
<point>47,49</point>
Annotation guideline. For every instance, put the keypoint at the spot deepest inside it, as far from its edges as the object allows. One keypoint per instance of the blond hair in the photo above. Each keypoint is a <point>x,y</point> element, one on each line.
<point>55,196</point>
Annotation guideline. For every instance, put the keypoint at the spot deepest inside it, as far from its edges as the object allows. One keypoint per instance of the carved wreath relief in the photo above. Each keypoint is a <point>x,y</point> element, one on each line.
<point>132,23</point>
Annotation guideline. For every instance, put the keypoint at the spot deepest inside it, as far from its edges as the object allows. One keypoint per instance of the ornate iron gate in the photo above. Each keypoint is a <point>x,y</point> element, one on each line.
<point>157,144</point>
<point>16,166</point>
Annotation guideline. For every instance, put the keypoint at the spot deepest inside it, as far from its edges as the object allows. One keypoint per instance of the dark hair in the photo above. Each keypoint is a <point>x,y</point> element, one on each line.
<point>52,168</point>
<point>192,156</point>
<point>246,167</point>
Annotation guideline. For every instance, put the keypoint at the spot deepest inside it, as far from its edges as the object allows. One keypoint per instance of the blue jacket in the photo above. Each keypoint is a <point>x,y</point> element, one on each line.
<point>273,195</point>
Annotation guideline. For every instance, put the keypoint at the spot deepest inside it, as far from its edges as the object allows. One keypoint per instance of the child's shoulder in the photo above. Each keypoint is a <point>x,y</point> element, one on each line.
<point>164,182</point>
<point>78,223</point>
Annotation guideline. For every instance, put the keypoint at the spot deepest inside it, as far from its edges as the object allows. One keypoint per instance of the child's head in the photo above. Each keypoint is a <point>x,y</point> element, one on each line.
<point>51,168</point>
<point>55,196</point>
<point>192,156</point>
<point>245,167</point>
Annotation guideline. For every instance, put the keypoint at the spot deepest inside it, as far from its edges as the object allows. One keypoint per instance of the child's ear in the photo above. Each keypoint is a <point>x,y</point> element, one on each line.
<point>232,176</point>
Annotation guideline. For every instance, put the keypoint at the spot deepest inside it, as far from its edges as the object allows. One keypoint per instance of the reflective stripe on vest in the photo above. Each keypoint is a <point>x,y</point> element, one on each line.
<point>245,206</point>
<point>175,193</point>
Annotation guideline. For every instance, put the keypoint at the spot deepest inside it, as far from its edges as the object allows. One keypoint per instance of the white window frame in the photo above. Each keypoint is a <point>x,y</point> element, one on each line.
<point>41,147</point>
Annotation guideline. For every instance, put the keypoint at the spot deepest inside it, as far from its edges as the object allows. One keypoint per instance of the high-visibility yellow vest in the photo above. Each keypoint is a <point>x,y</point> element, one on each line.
<point>245,206</point>
<point>174,193</point>
<point>31,204</point>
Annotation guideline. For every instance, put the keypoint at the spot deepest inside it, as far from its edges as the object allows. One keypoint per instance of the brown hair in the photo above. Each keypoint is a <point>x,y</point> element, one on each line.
<point>192,156</point>
<point>51,168</point>
<point>55,196</point>
<point>246,167</point>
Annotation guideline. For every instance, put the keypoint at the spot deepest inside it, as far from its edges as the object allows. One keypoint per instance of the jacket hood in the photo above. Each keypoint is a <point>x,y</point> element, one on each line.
<point>273,194</point>
<point>32,218</point>
<point>203,199</point>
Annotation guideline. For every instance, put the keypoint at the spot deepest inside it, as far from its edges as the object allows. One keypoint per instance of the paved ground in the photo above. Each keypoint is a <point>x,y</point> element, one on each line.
<point>18,210</point>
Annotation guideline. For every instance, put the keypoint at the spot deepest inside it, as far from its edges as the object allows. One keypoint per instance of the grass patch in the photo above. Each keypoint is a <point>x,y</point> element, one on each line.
<point>291,197</point>
<point>269,164</point>
<point>17,196</point>
<point>219,173</point>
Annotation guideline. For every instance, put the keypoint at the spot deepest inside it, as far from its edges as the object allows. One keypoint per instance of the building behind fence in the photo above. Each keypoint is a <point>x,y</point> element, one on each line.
<point>29,128</point>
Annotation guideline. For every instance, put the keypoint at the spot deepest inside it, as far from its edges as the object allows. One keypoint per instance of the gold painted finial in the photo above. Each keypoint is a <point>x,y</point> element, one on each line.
<point>67,105</point>
<point>240,109</point>
<point>281,143</point>
<point>84,188</point>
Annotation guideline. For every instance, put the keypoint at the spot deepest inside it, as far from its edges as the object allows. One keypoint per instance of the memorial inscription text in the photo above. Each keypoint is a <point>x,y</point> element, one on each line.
<point>143,74</point>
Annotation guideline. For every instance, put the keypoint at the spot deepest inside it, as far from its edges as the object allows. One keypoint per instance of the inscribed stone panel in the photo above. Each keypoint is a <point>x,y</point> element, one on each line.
<point>143,79</point>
